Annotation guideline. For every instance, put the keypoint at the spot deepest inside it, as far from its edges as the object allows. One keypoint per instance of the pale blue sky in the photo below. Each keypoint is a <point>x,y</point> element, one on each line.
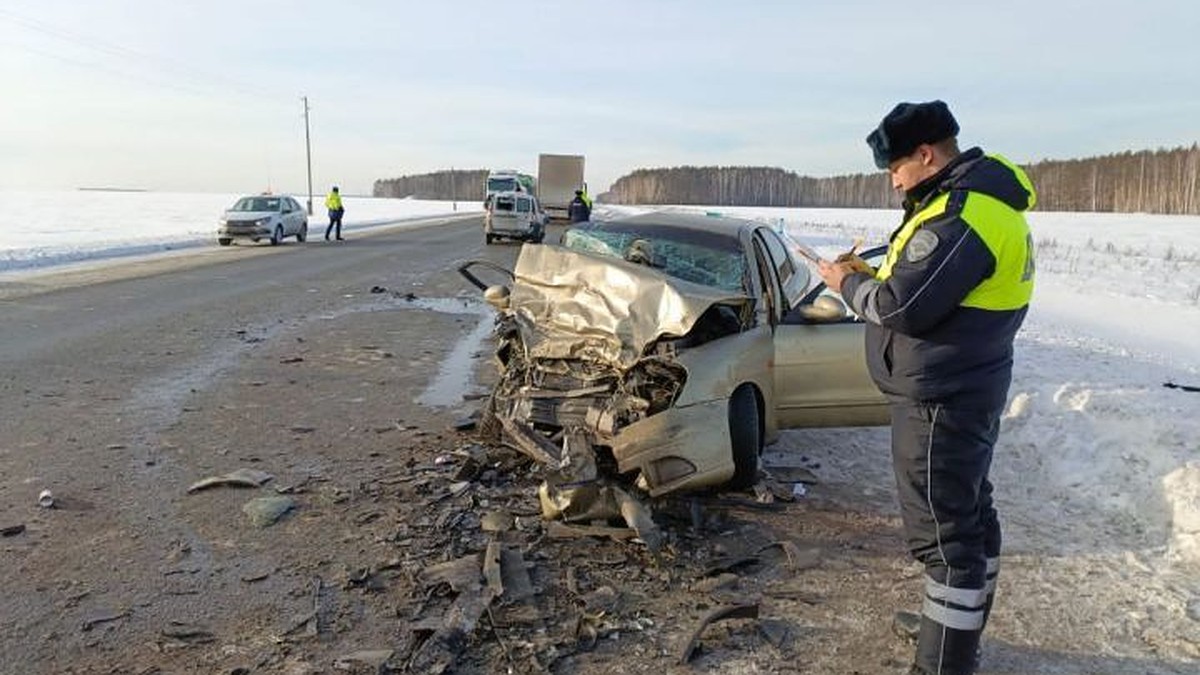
<point>204,95</point>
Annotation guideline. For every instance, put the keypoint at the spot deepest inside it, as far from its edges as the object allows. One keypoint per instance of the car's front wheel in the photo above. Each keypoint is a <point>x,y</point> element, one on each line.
<point>745,437</point>
<point>488,238</point>
<point>224,242</point>
<point>302,235</point>
<point>277,235</point>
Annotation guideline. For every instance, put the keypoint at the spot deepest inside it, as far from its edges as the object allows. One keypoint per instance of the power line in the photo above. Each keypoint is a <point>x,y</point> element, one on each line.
<point>139,58</point>
<point>178,86</point>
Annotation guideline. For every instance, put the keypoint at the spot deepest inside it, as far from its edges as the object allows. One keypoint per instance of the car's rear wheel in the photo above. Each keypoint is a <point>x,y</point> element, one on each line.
<point>745,437</point>
<point>277,235</point>
<point>224,242</point>
<point>488,239</point>
<point>302,235</point>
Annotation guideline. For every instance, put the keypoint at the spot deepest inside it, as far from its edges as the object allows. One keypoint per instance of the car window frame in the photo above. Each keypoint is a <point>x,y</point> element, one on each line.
<point>793,284</point>
<point>767,284</point>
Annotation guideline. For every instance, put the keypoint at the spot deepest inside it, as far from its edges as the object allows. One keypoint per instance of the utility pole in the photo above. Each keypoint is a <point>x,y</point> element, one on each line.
<point>308,154</point>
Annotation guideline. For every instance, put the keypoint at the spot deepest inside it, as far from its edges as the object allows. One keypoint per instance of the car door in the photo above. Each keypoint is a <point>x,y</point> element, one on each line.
<point>291,225</point>
<point>821,377</point>
<point>299,214</point>
<point>524,213</point>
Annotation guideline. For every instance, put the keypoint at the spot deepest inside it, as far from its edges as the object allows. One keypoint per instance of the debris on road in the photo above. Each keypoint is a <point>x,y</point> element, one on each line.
<point>12,530</point>
<point>100,617</point>
<point>186,633</point>
<point>741,611</point>
<point>264,511</point>
<point>45,499</point>
<point>374,659</point>
<point>241,478</point>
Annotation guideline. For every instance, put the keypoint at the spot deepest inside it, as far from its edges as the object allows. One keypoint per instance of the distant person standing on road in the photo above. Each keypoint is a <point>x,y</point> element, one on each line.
<point>579,210</point>
<point>942,311</point>
<point>333,202</point>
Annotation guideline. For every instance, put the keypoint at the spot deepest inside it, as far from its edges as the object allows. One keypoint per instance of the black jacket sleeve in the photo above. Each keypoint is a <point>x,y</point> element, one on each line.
<point>926,286</point>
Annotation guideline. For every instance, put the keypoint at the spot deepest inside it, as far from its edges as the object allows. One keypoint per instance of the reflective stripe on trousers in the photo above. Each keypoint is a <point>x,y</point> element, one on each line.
<point>942,456</point>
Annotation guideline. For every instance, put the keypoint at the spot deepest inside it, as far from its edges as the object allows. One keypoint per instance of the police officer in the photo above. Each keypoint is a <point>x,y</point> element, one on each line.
<point>580,208</point>
<point>333,202</point>
<point>941,312</point>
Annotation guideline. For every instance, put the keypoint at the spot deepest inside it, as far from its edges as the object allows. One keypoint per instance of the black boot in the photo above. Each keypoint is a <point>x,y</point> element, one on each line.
<point>947,651</point>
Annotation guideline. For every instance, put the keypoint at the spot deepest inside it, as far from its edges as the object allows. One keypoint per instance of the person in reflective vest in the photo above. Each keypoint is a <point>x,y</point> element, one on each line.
<point>942,311</point>
<point>333,202</point>
<point>580,209</point>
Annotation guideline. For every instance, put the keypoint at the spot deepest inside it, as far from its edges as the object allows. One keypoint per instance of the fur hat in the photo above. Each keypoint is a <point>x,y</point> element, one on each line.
<point>909,125</point>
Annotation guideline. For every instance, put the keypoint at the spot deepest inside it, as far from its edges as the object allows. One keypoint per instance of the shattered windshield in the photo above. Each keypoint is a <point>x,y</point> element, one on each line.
<point>709,258</point>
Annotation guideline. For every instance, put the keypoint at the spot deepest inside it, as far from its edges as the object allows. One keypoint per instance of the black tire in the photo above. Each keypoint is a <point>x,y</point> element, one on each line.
<point>488,239</point>
<point>224,242</point>
<point>745,437</point>
<point>277,235</point>
<point>302,235</point>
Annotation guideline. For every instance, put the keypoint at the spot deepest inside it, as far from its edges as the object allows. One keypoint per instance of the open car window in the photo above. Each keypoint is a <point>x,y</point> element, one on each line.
<point>874,257</point>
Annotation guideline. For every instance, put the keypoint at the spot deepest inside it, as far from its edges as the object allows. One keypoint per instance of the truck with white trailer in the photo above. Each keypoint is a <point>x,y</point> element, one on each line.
<point>559,176</point>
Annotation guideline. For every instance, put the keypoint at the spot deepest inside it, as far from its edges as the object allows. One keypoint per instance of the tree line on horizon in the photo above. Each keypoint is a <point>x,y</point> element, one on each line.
<point>1160,181</point>
<point>450,185</point>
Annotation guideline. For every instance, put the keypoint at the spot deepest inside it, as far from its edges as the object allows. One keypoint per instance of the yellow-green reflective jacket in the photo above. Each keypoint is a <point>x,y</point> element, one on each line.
<point>946,303</point>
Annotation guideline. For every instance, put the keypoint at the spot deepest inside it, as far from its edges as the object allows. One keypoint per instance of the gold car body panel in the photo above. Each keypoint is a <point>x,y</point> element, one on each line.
<point>680,448</point>
<point>821,377</point>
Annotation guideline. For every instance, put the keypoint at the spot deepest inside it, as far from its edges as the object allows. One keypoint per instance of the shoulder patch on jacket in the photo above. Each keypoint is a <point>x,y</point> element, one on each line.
<point>922,243</point>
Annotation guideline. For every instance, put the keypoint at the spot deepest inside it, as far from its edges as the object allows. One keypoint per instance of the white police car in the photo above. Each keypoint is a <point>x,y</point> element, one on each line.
<point>270,217</point>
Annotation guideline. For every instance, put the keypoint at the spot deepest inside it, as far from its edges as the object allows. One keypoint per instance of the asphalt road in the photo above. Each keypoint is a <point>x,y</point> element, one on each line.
<point>123,384</point>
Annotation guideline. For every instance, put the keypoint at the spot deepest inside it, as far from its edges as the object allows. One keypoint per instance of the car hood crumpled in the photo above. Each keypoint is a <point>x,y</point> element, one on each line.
<point>573,305</point>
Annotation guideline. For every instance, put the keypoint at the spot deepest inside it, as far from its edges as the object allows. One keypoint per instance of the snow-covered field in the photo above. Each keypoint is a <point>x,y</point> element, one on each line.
<point>43,229</point>
<point>1093,441</point>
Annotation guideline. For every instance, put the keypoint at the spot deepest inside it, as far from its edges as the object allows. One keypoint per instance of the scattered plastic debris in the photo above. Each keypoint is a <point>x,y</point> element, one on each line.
<point>240,478</point>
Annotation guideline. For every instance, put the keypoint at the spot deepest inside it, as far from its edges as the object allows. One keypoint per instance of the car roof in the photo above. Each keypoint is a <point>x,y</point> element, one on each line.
<point>690,220</point>
<point>699,222</point>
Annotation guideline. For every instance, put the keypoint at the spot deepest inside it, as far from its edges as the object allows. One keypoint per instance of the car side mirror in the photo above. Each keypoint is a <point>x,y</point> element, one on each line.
<point>825,309</point>
<point>497,296</point>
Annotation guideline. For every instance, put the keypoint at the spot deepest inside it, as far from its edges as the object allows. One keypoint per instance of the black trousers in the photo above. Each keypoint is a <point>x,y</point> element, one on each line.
<point>335,219</point>
<point>942,455</point>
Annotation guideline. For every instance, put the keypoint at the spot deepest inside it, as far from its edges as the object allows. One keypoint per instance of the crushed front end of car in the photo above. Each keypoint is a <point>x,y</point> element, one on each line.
<point>595,357</point>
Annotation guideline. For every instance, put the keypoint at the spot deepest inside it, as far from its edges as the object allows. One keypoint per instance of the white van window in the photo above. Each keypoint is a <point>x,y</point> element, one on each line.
<point>522,206</point>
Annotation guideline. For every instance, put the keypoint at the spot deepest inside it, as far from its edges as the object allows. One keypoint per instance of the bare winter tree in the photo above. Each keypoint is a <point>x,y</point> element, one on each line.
<point>1159,181</point>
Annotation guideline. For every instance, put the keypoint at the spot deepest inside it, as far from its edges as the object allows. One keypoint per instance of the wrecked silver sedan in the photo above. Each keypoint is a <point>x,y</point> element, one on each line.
<point>665,350</point>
